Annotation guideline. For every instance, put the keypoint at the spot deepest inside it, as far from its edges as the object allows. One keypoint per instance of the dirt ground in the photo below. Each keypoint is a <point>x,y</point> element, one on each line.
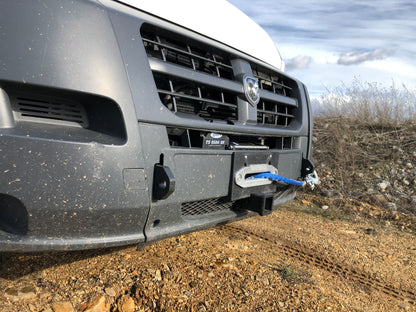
<point>300,258</point>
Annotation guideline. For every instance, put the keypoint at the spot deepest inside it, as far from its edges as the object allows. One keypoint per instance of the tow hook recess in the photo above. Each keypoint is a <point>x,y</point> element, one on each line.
<point>261,203</point>
<point>163,182</point>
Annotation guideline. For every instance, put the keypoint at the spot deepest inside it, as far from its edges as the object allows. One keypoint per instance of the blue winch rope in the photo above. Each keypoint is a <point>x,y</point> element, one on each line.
<point>275,177</point>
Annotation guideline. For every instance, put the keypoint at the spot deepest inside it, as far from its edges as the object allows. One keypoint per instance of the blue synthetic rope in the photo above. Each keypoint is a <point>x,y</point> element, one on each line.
<point>275,177</point>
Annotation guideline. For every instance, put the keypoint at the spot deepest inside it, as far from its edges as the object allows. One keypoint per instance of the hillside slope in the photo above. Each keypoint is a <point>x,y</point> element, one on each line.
<point>361,163</point>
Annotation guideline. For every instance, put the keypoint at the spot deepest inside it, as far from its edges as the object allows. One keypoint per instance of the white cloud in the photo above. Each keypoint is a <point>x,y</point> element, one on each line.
<point>357,57</point>
<point>298,62</point>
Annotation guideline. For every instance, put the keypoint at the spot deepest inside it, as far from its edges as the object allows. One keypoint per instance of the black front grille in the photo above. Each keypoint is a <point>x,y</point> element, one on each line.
<point>188,96</point>
<point>172,48</point>
<point>50,109</point>
<point>182,96</point>
<point>272,81</point>
<point>275,113</point>
<point>196,80</point>
<point>207,206</point>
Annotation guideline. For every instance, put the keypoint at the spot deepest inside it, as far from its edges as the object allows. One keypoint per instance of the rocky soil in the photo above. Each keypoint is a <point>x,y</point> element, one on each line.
<point>346,246</point>
<point>371,164</point>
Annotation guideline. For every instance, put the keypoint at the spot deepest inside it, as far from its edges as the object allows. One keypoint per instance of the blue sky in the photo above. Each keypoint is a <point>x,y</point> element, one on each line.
<point>329,43</point>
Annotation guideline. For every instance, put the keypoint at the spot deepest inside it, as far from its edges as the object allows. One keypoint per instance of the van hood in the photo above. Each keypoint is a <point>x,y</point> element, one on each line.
<point>218,20</point>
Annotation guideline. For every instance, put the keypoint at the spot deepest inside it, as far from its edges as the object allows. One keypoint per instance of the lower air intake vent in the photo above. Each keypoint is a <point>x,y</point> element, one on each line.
<point>33,108</point>
<point>203,207</point>
<point>189,138</point>
<point>61,114</point>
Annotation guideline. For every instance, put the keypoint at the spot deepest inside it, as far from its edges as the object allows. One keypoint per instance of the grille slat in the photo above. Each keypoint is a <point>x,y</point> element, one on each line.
<point>196,98</point>
<point>159,67</point>
<point>281,100</point>
<point>275,113</point>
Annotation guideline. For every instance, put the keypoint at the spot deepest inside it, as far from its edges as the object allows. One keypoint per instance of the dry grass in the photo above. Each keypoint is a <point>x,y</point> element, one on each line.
<point>348,146</point>
<point>370,103</point>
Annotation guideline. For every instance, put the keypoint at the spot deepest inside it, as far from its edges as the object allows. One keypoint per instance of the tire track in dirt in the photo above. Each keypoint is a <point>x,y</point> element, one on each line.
<point>306,255</point>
